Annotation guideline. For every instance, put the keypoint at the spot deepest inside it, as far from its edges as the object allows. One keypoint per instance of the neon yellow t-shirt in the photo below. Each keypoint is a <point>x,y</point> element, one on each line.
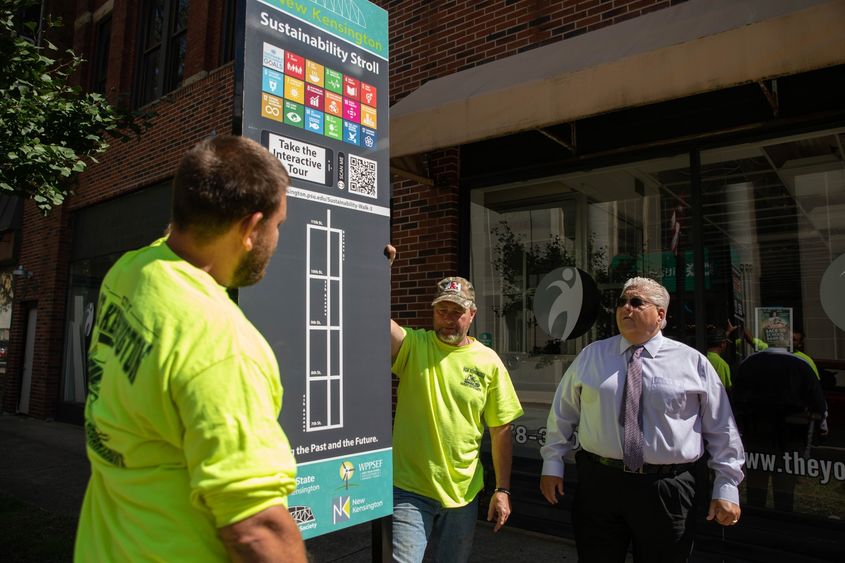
<point>446,395</point>
<point>809,360</point>
<point>722,368</point>
<point>181,416</point>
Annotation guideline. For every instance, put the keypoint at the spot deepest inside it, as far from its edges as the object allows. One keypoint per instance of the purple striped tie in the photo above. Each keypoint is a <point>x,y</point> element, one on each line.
<point>632,446</point>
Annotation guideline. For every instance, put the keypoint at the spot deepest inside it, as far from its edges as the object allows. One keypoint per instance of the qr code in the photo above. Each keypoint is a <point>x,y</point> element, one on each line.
<point>362,176</point>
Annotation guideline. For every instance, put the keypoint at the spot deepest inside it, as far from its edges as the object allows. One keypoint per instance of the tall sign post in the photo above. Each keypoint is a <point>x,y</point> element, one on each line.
<point>311,86</point>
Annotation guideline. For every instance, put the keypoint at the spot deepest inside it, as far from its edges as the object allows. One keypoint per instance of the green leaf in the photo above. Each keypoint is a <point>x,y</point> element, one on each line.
<point>50,129</point>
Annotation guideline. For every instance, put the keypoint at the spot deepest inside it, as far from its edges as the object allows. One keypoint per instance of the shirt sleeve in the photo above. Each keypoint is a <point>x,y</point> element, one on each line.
<point>404,353</point>
<point>564,415</point>
<point>238,458</point>
<point>721,436</point>
<point>502,404</point>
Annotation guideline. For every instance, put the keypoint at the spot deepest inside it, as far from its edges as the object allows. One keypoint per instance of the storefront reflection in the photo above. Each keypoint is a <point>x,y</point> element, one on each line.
<point>773,222</point>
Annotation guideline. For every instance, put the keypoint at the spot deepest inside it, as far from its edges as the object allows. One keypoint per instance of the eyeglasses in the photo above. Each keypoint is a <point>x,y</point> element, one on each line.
<point>636,302</point>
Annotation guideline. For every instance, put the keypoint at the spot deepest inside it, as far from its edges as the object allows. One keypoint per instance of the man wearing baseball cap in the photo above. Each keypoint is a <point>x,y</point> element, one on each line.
<point>450,387</point>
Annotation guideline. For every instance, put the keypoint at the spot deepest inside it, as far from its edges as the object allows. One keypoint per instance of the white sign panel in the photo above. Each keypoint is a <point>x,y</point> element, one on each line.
<point>303,160</point>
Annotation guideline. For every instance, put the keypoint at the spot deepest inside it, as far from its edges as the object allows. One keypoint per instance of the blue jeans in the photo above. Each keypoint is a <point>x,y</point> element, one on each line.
<point>417,518</point>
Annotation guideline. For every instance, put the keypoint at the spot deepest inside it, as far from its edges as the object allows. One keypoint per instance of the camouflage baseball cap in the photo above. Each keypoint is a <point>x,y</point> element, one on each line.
<point>457,290</point>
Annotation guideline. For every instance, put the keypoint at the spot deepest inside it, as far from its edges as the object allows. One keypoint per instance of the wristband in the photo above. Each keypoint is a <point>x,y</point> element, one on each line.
<point>502,490</point>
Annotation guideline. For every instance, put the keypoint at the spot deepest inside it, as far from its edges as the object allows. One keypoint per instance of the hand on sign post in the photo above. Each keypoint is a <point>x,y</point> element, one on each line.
<point>390,253</point>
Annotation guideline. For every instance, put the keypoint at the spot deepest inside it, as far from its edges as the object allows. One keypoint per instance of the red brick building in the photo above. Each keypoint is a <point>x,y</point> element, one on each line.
<point>618,136</point>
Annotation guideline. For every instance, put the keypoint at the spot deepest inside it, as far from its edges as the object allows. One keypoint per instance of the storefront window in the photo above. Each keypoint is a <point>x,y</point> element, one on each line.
<point>774,225</point>
<point>772,219</point>
<point>85,278</point>
<point>612,224</point>
<point>7,294</point>
<point>101,234</point>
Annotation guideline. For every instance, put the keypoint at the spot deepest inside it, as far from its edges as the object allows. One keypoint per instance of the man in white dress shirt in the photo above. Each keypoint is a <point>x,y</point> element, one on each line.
<point>645,408</point>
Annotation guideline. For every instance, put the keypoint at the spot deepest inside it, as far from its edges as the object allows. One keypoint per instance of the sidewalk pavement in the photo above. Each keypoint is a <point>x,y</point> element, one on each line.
<point>44,464</point>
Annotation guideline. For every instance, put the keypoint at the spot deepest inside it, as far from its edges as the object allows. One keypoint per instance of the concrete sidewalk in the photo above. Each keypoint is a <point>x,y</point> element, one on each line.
<point>44,464</point>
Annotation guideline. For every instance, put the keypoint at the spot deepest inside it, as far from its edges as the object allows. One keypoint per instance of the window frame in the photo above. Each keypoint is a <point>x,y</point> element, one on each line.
<point>228,32</point>
<point>98,78</point>
<point>167,59</point>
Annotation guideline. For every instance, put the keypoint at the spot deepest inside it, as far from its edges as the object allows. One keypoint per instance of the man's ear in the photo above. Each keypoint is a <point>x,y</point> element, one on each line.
<point>248,229</point>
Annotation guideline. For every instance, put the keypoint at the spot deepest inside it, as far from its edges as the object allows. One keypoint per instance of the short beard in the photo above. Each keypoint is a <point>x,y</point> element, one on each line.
<point>252,265</point>
<point>453,339</point>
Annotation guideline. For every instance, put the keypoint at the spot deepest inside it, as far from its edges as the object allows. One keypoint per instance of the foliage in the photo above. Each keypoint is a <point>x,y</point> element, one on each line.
<point>49,130</point>
<point>521,263</point>
<point>539,259</point>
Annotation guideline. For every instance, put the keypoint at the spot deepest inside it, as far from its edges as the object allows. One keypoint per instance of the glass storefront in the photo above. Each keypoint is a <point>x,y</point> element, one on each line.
<point>774,223</point>
<point>7,293</point>
<point>771,220</point>
<point>86,275</point>
<point>101,234</point>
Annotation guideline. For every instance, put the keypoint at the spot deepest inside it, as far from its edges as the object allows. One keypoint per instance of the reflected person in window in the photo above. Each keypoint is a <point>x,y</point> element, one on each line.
<point>717,343</point>
<point>779,401</point>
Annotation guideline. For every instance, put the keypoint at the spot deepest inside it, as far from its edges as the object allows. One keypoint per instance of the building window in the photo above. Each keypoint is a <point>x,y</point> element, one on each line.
<point>164,25</point>
<point>772,218</point>
<point>7,294</point>
<point>227,44</point>
<point>100,60</point>
<point>27,15</point>
<point>101,234</point>
<point>611,223</point>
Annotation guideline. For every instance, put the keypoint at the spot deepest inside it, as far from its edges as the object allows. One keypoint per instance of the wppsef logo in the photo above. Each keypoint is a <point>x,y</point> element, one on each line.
<point>340,509</point>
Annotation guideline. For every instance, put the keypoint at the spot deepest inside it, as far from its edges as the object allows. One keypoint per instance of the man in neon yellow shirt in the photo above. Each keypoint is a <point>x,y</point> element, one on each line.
<point>450,387</point>
<point>759,345</point>
<point>798,350</point>
<point>188,462</point>
<point>717,341</point>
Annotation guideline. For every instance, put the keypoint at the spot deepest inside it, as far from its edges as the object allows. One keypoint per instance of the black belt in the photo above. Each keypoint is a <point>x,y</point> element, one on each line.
<point>649,468</point>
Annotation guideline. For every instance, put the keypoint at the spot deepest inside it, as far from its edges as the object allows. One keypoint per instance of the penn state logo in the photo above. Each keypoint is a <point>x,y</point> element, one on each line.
<point>566,303</point>
<point>832,292</point>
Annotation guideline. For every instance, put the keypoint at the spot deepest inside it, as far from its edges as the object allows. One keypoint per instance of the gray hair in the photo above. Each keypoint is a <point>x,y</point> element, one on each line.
<point>651,291</point>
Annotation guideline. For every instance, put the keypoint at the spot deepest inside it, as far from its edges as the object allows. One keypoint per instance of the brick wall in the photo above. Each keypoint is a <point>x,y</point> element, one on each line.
<point>433,39</point>
<point>425,234</point>
<point>429,40</point>
<point>45,291</point>
<point>182,118</point>
<point>185,117</point>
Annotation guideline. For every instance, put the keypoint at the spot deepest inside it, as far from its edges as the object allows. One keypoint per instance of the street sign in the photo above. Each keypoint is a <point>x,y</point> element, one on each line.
<point>312,78</point>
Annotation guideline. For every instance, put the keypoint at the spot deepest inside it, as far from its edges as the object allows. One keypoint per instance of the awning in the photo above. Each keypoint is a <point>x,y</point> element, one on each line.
<point>695,47</point>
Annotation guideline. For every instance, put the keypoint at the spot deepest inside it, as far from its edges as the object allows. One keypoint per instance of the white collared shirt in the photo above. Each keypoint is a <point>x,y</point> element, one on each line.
<point>685,408</point>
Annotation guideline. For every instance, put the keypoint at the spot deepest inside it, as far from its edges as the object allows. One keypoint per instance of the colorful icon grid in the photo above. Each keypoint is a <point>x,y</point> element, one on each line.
<point>302,93</point>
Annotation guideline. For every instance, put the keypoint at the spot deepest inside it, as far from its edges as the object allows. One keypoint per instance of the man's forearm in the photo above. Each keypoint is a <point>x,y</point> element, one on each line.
<point>270,535</point>
<point>502,451</point>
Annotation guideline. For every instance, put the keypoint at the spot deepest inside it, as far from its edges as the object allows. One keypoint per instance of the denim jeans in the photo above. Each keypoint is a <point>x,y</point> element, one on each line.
<point>416,519</point>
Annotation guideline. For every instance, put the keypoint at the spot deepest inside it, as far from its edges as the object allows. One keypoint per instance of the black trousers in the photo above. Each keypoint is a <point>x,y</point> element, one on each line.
<point>613,509</point>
